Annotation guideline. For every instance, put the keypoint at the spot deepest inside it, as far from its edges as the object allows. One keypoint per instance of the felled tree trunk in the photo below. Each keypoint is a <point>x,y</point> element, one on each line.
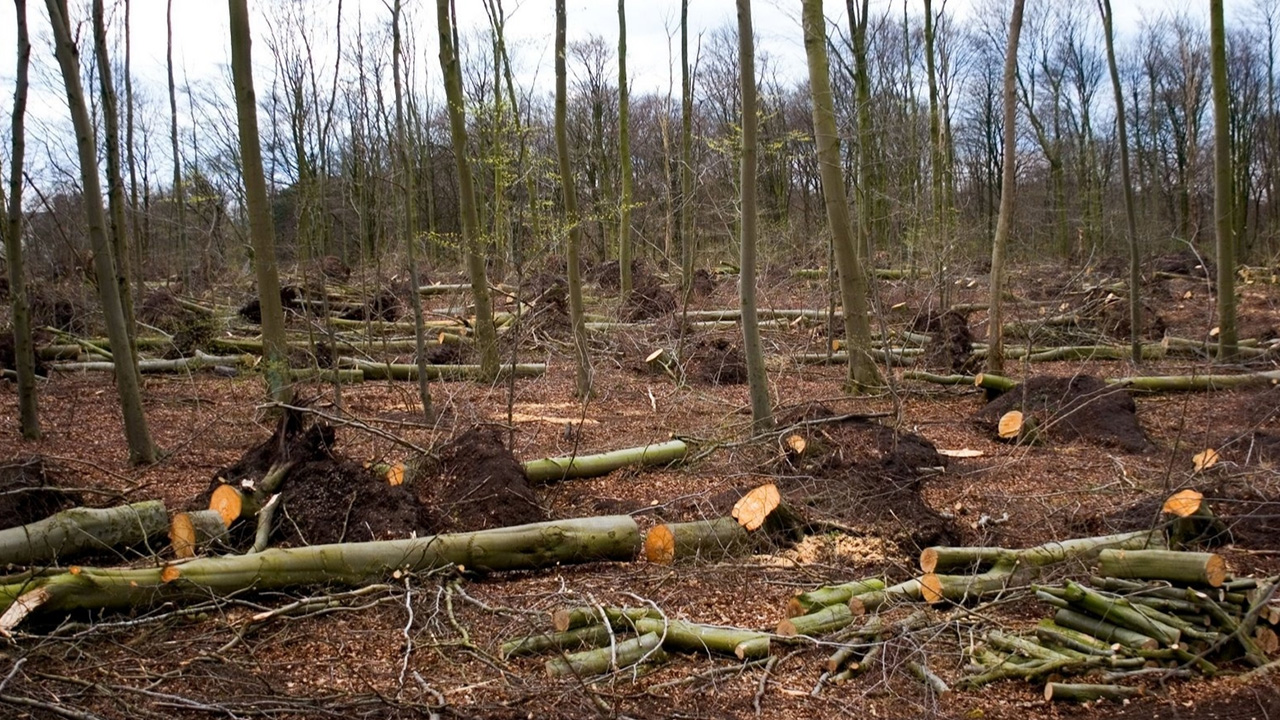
<point>1184,567</point>
<point>702,539</point>
<point>522,547</point>
<point>191,532</point>
<point>79,530</point>
<point>583,466</point>
<point>392,371</point>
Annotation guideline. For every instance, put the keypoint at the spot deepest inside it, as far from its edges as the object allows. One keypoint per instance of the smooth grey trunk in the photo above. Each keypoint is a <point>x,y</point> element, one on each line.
<point>11,224</point>
<point>757,379</point>
<point>261,230</point>
<point>863,373</point>
<point>572,221</point>
<point>410,217</point>
<point>486,336</point>
<point>141,448</point>
<point>1130,212</point>
<point>1008,186</point>
<point>1222,200</point>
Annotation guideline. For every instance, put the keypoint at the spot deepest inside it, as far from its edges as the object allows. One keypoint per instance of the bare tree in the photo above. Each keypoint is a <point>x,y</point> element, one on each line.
<point>1222,201</point>
<point>179,197</point>
<point>261,230</point>
<point>1008,186</point>
<point>573,222</point>
<point>141,448</point>
<point>863,373</point>
<point>624,155</point>
<point>11,225</point>
<point>757,380</point>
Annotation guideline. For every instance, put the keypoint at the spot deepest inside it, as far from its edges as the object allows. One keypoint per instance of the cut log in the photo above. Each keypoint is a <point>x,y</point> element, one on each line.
<point>1103,630</point>
<point>582,466</point>
<point>188,364</point>
<point>1074,692</point>
<point>589,663</point>
<point>1193,522</point>
<point>588,636</point>
<point>754,508</point>
<point>232,503</point>
<point>1183,567</point>
<point>693,637</point>
<point>1205,459</point>
<point>1049,631</point>
<point>864,603</point>
<point>828,619</point>
<point>80,530</point>
<point>1120,612</point>
<point>935,588</point>
<point>522,547</point>
<point>930,679</point>
<point>392,371</point>
<point>192,532</point>
<point>563,619</point>
<point>941,558</point>
<point>1018,428</point>
<point>706,540</point>
<point>831,595</point>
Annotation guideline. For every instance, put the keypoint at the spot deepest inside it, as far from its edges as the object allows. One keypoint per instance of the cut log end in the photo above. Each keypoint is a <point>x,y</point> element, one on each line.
<point>752,509</point>
<point>1205,459</point>
<point>170,573</point>
<point>929,559</point>
<point>931,588</point>
<point>796,445</point>
<point>660,546</point>
<point>227,501</point>
<point>561,619</point>
<point>795,607</point>
<point>1184,503</point>
<point>787,628</point>
<point>182,534</point>
<point>1010,425</point>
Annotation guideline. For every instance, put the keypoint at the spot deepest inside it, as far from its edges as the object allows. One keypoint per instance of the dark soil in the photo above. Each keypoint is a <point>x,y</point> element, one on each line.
<point>609,277</point>
<point>327,498</point>
<point>9,354</point>
<point>31,489</point>
<point>704,283</point>
<point>950,346</point>
<point>59,306</point>
<point>550,308</point>
<point>332,267</point>
<point>1183,262</point>
<point>291,297</point>
<point>476,483</point>
<point>648,300</point>
<point>867,477</point>
<point>449,354</point>
<point>1078,408</point>
<point>1113,320</point>
<point>384,305</point>
<point>718,361</point>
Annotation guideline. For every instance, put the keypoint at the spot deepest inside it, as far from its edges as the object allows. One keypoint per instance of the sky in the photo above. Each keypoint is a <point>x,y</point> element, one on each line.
<point>201,37</point>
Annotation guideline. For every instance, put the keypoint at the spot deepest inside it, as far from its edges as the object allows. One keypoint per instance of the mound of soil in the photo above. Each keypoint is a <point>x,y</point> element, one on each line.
<point>291,297</point>
<point>718,361</point>
<point>1183,262</point>
<point>58,306</point>
<point>332,267</point>
<point>326,498</point>
<point>704,283</point>
<point>550,308</point>
<point>476,483</point>
<point>1253,448</point>
<point>1113,320</point>
<point>1081,408</point>
<point>868,477</point>
<point>31,490</point>
<point>449,354</point>
<point>608,275</point>
<point>191,330</point>
<point>9,353</point>
<point>950,345</point>
<point>382,306</point>
<point>648,300</point>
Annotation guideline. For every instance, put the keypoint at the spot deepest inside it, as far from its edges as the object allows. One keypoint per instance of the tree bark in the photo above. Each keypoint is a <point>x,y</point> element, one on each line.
<point>549,470</point>
<point>807,602</point>
<point>80,530</point>
<point>688,243</point>
<point>863,373</point>
<point>1008,186</point>
<point>572,221</point>
<point>705,540</point>
<point>486,335</point>
<point>589,663</point>
<point>141,449</point>
<point>11,224</point>
<point>1222,191</point>
<point>1183,567</point>
<point>624,155</point>
<point>261,230</point>
<point>522,547</point>
<point>389,371</point>
<point>179,196</point>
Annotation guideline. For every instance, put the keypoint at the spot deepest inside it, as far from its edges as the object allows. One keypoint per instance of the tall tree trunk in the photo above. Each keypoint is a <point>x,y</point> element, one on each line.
<point>863,372</point>
<point>135,224</point>
<point>572,221</point>
<point>141,448</point>
<point>757,380</point>
<point>179,196</point>
<point>1008,186</point>
<point>410,216</point>
<point>624,153</point>
<point>868,190</point>
<point>1130,212</point>
<point>261,230</point>
<point>688,245</point>
<point>115,176</point>
<point>1222,202</point>
<point>11,225</point>
<point>486,336</point>
<point>938,159</point>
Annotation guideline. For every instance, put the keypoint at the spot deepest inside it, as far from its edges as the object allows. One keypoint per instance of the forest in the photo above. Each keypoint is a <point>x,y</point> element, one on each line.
<point>453,359</point>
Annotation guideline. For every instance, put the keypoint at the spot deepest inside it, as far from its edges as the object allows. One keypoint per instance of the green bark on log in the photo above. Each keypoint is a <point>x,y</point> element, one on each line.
<point>693,637</point>
<point>1191,568</point>
<point>583,466</point>
<point>601,660</point>
<point>1103,630</point>
<point>588,636</point>
<point>522,547</point>
<point>79,530</point>
<point>831,595</point>
<point>1072,692</point>
<point>1121,613</point>
<point>392,371</point>
<point>705,540</point>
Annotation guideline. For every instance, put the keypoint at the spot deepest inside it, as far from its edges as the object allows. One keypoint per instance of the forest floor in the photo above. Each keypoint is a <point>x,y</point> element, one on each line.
<point>426,646</point>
